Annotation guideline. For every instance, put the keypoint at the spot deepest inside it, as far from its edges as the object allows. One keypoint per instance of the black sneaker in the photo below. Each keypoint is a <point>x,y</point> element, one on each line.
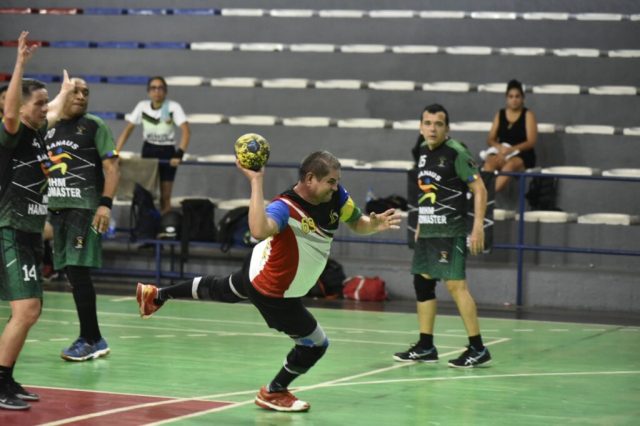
<point>417,353</point>
<point>9,400</point>
<point>21,392</point>
<point>471,358</point>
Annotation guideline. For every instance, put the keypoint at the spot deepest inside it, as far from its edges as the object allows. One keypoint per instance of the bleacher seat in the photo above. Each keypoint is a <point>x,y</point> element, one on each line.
<point>546,216</point>
<point>609,219</point>
<point>622,173</point>
<point>503,214</point>
<point>570,170</point>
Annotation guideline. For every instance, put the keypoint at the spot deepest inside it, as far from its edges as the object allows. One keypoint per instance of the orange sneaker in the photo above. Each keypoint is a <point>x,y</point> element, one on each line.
<point>146,295</point>
<point>280,401</point>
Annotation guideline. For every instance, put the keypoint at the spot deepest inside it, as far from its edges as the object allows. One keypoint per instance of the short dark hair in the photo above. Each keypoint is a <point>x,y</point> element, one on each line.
<point>319,163</point>
<point>515,84</point>
<point>30,85</point>
<point>434,109</point>
<point>157,77</point>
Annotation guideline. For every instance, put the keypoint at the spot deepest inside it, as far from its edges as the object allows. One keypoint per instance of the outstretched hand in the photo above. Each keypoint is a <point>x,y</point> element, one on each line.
<point>25,51</point>
<point>389,219</point>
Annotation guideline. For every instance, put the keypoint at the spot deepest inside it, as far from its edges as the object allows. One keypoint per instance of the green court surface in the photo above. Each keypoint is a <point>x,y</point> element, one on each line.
<point>547,373</point>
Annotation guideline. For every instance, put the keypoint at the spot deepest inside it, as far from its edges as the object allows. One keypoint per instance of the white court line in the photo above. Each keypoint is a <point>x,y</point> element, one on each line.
<point>490,376</point>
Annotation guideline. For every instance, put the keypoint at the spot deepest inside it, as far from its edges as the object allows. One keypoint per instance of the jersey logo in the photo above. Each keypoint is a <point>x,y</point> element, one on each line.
<point>442,162</point>
<point>333,217</point>
<point>429,191</point>
<point>444,257</point>
<point>308,225</point>
<point>80,130</point>
<point>55,162</point>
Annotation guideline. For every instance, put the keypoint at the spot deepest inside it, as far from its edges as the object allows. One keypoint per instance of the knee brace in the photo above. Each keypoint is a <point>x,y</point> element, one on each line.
<point>425,288</point>
<point>307,351</point>
<point>222,289</point>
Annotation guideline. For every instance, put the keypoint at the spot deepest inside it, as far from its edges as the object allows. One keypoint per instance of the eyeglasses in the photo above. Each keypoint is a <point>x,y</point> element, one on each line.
<point>156,88</point>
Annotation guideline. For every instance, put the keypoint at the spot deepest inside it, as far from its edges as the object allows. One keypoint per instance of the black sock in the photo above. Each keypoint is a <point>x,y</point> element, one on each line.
<point>476,342</point>
<point>85,297</point>
<point>5,374</point>
<point>426,340</point>
<point>181,290</point>
<point>282,380</point>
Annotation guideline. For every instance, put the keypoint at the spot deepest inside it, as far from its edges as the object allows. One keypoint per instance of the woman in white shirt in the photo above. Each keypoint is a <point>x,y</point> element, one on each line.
<point>159,116</point>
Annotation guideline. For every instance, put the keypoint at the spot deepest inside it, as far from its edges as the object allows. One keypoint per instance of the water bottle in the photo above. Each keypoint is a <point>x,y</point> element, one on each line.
<point>111,230</point>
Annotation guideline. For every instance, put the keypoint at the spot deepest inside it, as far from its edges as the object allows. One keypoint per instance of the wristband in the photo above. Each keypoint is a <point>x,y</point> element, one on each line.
<point>106,201</point>
<point>179,153</point>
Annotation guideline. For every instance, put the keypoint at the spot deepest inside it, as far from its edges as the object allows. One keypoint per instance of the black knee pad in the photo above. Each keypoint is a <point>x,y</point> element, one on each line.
<point>301,358</point>
<point>425,288</point>
<point>220,289</point>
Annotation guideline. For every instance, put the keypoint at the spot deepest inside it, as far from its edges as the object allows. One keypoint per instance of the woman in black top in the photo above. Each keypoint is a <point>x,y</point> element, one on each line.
<point>512,136</point>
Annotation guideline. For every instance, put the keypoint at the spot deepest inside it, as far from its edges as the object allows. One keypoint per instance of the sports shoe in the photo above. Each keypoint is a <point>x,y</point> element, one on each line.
<point>471,358</point>
<point>81,350</point>
<point>10,401</point>
<point>280,401</point>
<point>21,392</point>
<point>146,295</point>
<point>417,353</point>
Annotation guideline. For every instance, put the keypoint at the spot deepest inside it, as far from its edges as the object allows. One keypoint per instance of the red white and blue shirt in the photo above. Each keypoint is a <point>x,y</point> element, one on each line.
<point>290,262</point>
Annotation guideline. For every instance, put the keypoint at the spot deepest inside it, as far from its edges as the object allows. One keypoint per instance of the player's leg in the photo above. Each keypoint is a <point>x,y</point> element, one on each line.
<point>476,354</point>
<point>426,306</point>
<point>77,248</point>
<point>21,285</point>
<point>310,344</point>
<point>228,289</point>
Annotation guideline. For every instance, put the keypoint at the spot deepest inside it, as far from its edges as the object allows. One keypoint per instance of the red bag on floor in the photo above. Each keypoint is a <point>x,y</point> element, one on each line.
<point>364,288</point>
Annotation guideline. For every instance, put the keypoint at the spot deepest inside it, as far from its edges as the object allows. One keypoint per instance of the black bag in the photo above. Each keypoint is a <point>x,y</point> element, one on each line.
<point>233,229</point>
<point>542,193</point>
<point>170,225</point>
<point>330,283</point>
<point>198,223</point>
<point>144,218</point>
<point>381,205</point>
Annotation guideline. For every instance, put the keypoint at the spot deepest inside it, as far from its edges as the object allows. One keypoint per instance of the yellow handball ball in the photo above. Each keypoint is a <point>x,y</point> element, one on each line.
<point>252,151</point>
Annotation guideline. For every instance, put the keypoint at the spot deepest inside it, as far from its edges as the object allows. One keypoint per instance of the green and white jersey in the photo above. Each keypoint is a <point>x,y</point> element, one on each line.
<point>23,182</point>
<point>443,177</point>
<point>76,150</point>
<point>158,124</point>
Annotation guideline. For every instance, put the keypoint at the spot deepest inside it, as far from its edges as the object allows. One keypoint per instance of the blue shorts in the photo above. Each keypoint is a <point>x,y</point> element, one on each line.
<point>161,152</point>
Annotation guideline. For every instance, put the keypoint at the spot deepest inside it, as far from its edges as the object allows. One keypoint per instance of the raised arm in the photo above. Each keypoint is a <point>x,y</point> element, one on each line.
<point>56,106</point>
<point>260,225</point>
<point>13,98</point>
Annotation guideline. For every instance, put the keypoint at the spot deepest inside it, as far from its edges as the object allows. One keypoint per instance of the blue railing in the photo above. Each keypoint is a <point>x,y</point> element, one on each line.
<point>520,247</point>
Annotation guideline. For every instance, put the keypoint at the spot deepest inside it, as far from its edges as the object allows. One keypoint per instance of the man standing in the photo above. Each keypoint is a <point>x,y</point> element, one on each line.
<point>446,171</point>
<point>296,231</point>
<point>83,177</point>
<point>23,210</point>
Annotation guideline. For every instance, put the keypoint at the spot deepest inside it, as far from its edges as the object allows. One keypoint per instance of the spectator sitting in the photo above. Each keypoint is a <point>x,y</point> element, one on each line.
<point>512,137</point>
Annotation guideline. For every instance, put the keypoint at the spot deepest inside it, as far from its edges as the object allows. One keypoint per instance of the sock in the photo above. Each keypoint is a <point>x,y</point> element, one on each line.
<point>5,373</point>
<point>282,381</point>
<point>182,290</point>
<point>84,296</point>
<point>426,340</point>
<point>476,342</point>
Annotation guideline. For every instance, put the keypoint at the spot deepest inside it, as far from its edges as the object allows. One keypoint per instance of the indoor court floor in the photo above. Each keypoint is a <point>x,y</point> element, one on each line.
<point>197,363</point>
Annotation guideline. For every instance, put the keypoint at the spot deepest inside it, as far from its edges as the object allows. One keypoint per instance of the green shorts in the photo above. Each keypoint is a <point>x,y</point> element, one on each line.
<point>21,259</point>
<point>440,258</point>
<point>75,241</point>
